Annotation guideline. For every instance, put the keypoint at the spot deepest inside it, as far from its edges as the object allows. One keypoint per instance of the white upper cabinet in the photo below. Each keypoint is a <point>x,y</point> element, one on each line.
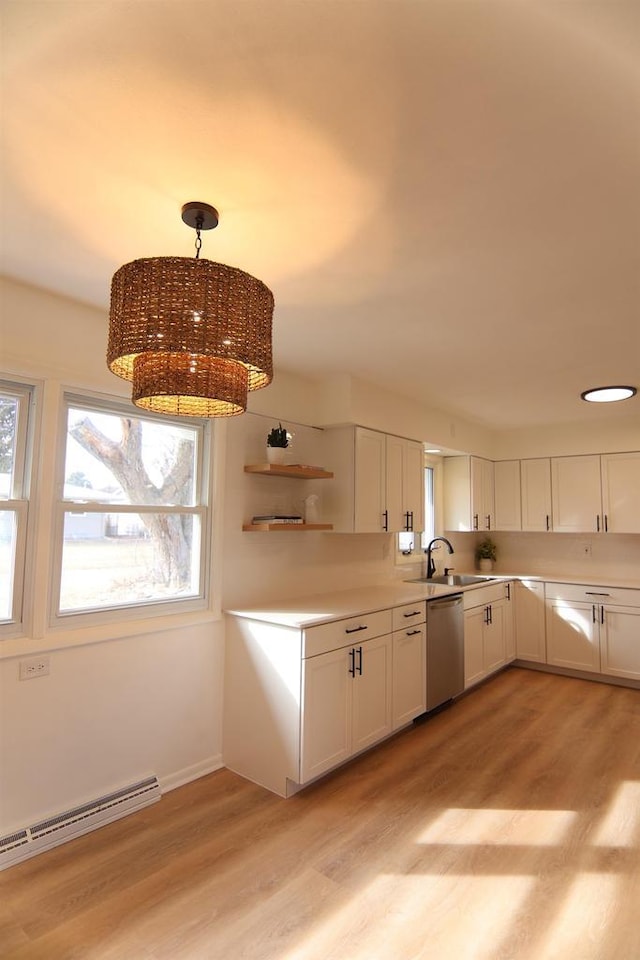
<point>507,495</point>
<point>598,494</point>
<point>369,505</point>
<point>536,494</point>
<point>468,494</point>
<point>621,492</point>
<point>378,483</point>
<point>404,485</point>
<point>575,494</point>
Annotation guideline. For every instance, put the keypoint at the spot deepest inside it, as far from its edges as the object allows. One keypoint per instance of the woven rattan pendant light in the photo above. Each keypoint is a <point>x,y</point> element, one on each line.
<point>192,335</point>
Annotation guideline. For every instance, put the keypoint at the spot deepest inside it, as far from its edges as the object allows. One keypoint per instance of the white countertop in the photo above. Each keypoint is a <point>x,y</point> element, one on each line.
<point>308,611</point>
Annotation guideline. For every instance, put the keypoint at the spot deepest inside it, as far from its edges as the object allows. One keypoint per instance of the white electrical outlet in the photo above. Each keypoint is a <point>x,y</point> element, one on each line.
<point>34,667</point>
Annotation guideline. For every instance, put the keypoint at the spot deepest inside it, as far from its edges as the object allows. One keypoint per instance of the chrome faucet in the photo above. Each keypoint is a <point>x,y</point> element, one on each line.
<point>431,567</point>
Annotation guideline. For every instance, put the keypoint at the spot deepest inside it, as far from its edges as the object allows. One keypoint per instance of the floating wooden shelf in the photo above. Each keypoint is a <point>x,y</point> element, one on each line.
<point>296,471</point>
<point>279,527</point>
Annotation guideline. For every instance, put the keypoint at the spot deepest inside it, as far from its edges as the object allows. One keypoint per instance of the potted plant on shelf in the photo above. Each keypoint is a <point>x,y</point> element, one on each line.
<point>486,553</point>
<point>277,443</point>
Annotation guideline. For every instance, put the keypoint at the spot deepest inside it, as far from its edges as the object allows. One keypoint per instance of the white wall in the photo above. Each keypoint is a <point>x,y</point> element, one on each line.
<point>120,702</point>
<point>602,433</point>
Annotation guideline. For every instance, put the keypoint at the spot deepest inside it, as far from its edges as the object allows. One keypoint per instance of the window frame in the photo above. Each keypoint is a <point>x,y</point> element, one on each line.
<point>18,502</point>
<point>200,509</point>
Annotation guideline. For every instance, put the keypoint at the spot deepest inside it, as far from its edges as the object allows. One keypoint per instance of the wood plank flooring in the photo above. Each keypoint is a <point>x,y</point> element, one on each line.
<point>506,827</point>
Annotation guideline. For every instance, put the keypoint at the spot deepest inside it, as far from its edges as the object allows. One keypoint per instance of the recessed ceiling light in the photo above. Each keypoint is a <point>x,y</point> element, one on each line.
<point>608,394</point>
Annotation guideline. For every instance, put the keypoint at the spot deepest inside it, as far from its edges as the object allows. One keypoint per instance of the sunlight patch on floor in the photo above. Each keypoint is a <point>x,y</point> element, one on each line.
<point>420,916</point>
<point>538,828</point>
<point>621,824</point>
<point>583,923</point>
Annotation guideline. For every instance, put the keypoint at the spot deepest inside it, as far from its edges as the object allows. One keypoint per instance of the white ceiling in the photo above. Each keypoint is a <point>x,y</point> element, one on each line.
<point>442,194</point>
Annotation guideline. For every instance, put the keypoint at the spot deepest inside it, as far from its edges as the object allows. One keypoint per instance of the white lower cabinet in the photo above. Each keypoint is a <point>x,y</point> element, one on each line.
<point>529,624</point>
<point>409,697</point>
<point>595,629</point>
<point>299,702</point>
<point>488,631</point>
<point>346,704</point>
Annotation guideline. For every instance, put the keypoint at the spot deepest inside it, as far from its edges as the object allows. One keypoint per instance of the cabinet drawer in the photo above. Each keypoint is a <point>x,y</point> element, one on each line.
<point>409,614</point>
<point>592,594</point>
<point>345,633</point>
<point>480,596</point>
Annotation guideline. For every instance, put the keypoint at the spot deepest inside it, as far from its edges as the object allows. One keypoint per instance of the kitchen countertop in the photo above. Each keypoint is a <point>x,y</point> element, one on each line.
<point>314,609</point>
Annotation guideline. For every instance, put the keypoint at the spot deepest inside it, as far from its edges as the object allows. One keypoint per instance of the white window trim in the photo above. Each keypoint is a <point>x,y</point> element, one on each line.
<point>19,499</point>
<point>202,482</point>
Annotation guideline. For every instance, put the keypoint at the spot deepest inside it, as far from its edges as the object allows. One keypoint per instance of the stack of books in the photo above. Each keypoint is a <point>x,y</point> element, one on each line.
<point>278,518</point>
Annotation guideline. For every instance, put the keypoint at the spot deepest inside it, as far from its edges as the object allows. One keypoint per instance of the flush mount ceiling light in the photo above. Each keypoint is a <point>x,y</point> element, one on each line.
<point>608,394</point>
<point>193,336</point>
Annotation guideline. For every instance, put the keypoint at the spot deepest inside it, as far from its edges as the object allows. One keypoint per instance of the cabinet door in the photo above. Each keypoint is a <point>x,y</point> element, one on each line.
<point>530,627</point>
<point>370,461</point>
<point>620,641</point>
<point>371,693</point>
<point>510,622</point>
<point>535,477</point>
<point>621,492</point>
<point>494,649</point>
<point>482,494</point>
<point>409,696</point>
<point>414,484</point>
<point>326,712</point>
<point>573,635</point>
<point>576,498</point>
<point>506,474</point>
<point>473,646</point>
<point>394,487</point>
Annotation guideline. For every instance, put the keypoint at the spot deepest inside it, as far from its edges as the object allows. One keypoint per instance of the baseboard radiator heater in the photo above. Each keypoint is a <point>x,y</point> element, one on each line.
<point>29,841</point>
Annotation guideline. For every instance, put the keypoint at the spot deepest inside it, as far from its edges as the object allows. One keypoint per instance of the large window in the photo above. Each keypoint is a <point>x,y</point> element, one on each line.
<point>15,404</point>
<point>132,511</point>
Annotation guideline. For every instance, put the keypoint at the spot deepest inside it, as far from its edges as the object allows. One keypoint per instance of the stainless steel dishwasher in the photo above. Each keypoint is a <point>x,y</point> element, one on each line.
<point>445,650</point>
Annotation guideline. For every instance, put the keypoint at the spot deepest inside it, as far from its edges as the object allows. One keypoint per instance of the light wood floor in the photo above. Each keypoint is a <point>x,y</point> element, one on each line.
<point>506,827</point>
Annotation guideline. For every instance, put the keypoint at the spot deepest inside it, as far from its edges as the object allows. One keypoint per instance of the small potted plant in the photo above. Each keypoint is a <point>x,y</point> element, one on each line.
<point>486,553</point>
<point>277,443</point>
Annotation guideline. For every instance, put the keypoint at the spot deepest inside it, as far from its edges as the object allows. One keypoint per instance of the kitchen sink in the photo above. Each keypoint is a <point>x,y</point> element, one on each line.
<point>453,580</point>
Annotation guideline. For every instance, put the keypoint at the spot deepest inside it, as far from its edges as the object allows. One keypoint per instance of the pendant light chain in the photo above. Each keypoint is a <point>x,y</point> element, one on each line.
<point>199,222</point>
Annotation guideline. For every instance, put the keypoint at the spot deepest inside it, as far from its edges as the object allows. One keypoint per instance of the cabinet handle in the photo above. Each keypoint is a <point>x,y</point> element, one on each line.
<point>414,613</point>
<point>488,521</point>
<point>547,516</point>
<point>359,667</point>
<point>601,614</point>
<point>486,615</point>
<point>352,658</point>
<point>597,522</point>
<point>412,633</point>
<point>594,593</point>
<point>407,525</point>
<point>354,629</point>
<point>385,520</point>
<point>606,524</point>
<point>475,521</point>
<point>593,612</point>
<point>411,520</point>
<point>508,586</point>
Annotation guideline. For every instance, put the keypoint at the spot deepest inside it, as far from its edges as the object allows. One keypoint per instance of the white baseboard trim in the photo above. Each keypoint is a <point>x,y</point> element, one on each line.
<point>194,772</point>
